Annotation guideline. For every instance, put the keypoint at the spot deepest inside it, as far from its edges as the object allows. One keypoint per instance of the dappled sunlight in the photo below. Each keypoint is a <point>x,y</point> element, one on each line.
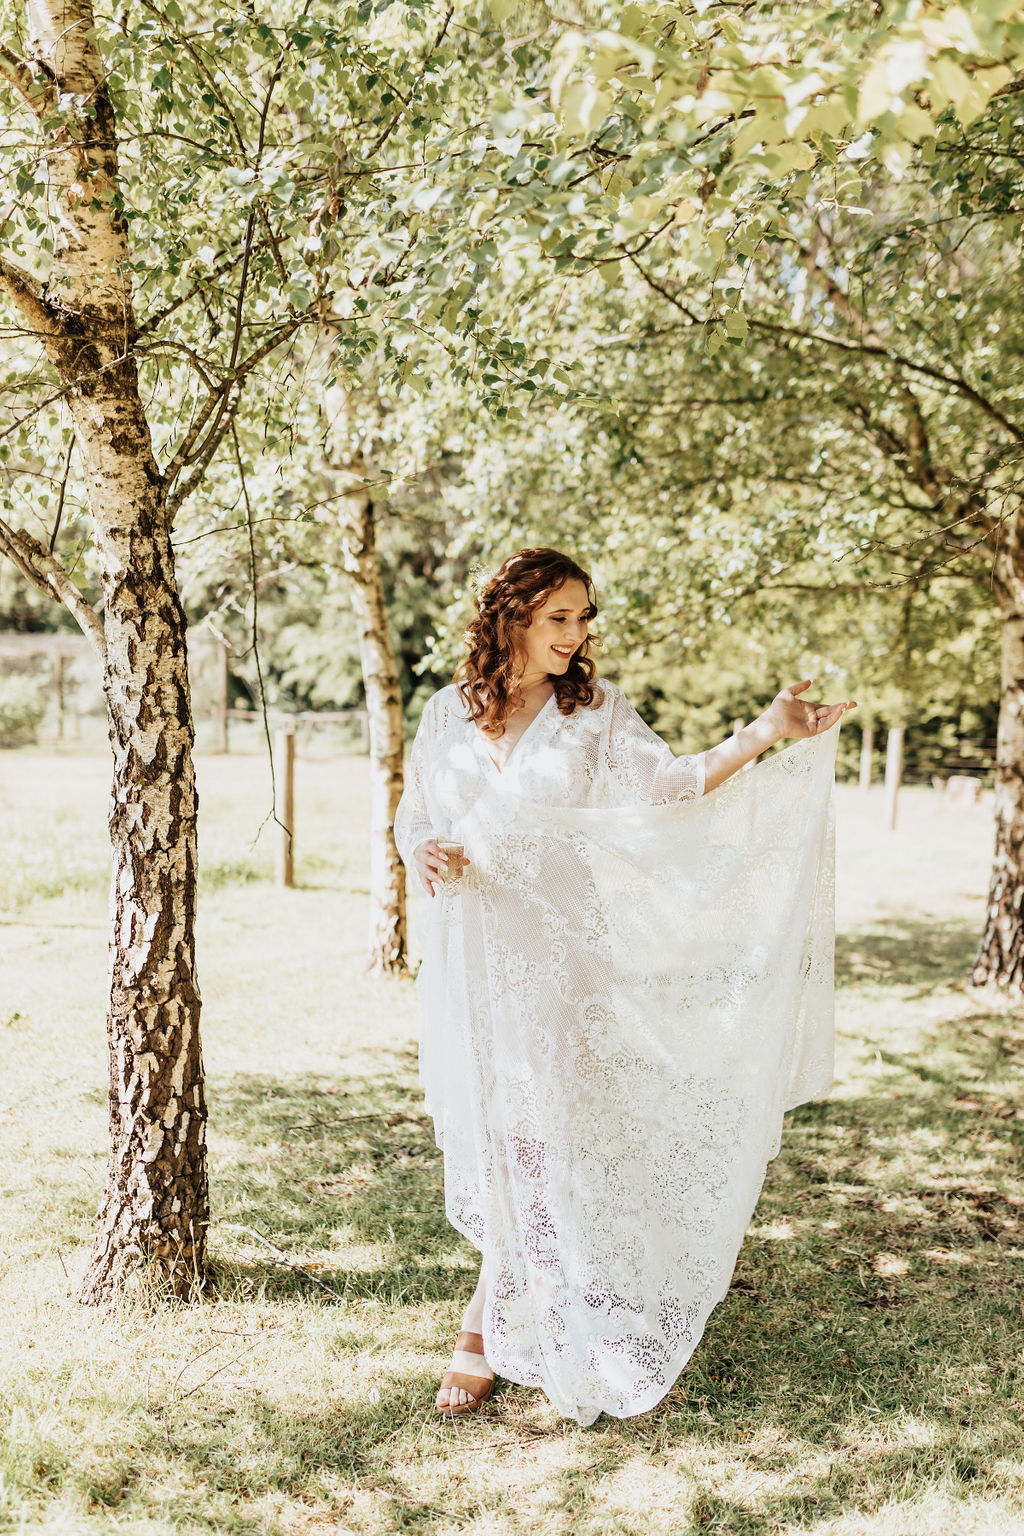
<point>796,1357</point>
<point>774,1231</point>
<point>916,956</point>
<point>342,1177</point>
<point>886,1264</point>
<point>862,1377</point>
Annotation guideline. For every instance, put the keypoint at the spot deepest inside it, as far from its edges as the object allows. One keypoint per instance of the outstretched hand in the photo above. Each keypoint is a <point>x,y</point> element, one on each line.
<point>791,716</point>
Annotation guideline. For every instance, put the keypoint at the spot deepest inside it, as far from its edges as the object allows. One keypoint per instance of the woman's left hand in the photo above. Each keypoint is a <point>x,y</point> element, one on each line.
<point>790,716</point>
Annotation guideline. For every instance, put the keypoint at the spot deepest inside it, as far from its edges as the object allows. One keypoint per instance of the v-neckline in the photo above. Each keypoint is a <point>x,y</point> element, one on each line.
<point>512,752</point>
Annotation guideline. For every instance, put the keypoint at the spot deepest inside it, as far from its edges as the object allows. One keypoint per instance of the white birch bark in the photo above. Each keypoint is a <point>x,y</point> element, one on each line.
<point>356,524</point>
<point>387,936</point>
<point>153,1218</point>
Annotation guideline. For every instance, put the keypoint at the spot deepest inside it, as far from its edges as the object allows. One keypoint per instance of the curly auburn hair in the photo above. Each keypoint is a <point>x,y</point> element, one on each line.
<point>505,605</point>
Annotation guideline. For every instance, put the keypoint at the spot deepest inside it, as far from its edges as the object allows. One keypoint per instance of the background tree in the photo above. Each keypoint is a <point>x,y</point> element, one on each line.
<point>118,199</point>
<point>179,194</point>
<point>193,205</point>
<point>728,161</point>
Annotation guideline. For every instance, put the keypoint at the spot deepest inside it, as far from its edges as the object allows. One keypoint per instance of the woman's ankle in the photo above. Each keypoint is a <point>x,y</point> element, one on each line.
<point>472,1320</point>
<point>473,1317</point>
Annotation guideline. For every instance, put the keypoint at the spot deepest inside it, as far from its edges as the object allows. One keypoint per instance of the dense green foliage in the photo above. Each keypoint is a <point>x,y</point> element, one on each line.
<point>722,302</point>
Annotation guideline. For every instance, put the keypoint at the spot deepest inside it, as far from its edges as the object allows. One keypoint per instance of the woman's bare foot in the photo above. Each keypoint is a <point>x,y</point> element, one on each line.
<point>468,1362</point>
<point>471,1376</point>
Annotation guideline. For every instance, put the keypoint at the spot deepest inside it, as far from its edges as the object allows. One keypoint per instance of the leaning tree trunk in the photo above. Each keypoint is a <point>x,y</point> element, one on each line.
<point>1001,952</point>
<point>387,950</point>
<point>357,527</point>
<point>153,1219</point>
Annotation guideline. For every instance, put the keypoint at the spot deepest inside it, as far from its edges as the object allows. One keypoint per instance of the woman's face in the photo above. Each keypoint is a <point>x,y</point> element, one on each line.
<point>557,629</point>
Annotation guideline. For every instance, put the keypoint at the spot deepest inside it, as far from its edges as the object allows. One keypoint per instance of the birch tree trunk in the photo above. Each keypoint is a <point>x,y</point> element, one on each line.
<point>388,938</point>
<point>1000,955</point>
<point>153,1218</point>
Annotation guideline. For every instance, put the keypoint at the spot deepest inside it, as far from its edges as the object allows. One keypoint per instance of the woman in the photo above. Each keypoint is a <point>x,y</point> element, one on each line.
<point>621,995</point>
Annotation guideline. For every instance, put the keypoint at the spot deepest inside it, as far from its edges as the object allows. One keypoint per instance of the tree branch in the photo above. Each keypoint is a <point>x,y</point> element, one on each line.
<point>912,458</point>
<point>218,401</point>
<point>27,293</point>
<point>10,546</point>
<point>918,446</point>
<point>220,269</point>
<point>845,344</point>
<point>188,43</point>
<point>18,73</point>
<point>389,129</point>
<point>822,587</point>
<point>63,494</point>
<point>894,447</point>
<point>196,459</point>
<point>951,381</point>
<point>199,464</point>
<point>183,453</point>
<point>666,293</point>
<point>49,576</point>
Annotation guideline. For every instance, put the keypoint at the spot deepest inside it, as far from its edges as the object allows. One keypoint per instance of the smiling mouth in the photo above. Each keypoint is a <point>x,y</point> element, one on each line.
<point>564,653</point>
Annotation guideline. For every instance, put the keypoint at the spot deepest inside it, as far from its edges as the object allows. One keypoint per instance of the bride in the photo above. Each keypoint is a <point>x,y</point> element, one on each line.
<point>626,982</point>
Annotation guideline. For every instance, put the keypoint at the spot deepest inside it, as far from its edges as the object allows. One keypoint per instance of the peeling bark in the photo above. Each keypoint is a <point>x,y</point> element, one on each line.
<point>1000,957</point>
<point>153,1219</point>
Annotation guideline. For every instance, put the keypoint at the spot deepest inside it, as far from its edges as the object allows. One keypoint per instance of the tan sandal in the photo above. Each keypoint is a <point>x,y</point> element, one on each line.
<point>467,1345</point>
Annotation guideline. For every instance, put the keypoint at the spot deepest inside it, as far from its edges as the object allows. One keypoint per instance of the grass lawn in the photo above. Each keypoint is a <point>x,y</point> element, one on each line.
<point>863,1376</point>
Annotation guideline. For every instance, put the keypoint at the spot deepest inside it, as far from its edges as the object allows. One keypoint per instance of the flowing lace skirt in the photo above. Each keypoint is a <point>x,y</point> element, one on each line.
<point>617,1008</point>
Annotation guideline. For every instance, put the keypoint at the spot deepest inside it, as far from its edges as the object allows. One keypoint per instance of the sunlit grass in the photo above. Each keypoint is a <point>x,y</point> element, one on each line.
<point>863,1377</point>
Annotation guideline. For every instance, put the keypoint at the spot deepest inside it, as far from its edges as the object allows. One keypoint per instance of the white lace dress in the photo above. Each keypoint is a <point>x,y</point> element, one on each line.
<point>618,1002</point>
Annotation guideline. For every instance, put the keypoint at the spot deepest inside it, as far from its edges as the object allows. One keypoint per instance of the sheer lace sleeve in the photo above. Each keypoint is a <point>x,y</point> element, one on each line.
<point>643,764</point>
<point>412,820</point>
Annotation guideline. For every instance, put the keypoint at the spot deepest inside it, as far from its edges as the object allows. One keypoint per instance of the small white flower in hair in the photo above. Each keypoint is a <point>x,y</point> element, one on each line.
<point>480,578</point>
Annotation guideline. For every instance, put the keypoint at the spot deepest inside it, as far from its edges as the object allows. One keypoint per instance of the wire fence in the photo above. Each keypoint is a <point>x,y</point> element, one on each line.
<point>51,694</point>
<point>926,761</point>
<point>318,732</point>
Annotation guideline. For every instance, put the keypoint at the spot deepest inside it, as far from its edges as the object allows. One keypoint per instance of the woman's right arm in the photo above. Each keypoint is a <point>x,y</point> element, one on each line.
<point>786,716</point>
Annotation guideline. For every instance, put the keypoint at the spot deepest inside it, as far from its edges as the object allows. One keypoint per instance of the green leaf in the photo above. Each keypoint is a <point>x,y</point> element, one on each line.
<point>584,107</point>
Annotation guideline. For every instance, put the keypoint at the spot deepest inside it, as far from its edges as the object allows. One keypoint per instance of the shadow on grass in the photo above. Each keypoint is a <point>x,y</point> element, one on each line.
<point>239,1456</point>
<point>342,1177</point>
<point>869,1343</point>
<point>918,954</point>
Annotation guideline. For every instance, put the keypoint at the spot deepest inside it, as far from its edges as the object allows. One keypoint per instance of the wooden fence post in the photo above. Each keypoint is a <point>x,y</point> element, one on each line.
<point>893,773</point>
<point>867,749</point>
<point>220,740</point>
<point>284,773</point>
<point>58,688</point>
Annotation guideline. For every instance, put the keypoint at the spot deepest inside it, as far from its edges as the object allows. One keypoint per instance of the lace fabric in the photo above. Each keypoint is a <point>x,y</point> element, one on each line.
<point>619,1001</point>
